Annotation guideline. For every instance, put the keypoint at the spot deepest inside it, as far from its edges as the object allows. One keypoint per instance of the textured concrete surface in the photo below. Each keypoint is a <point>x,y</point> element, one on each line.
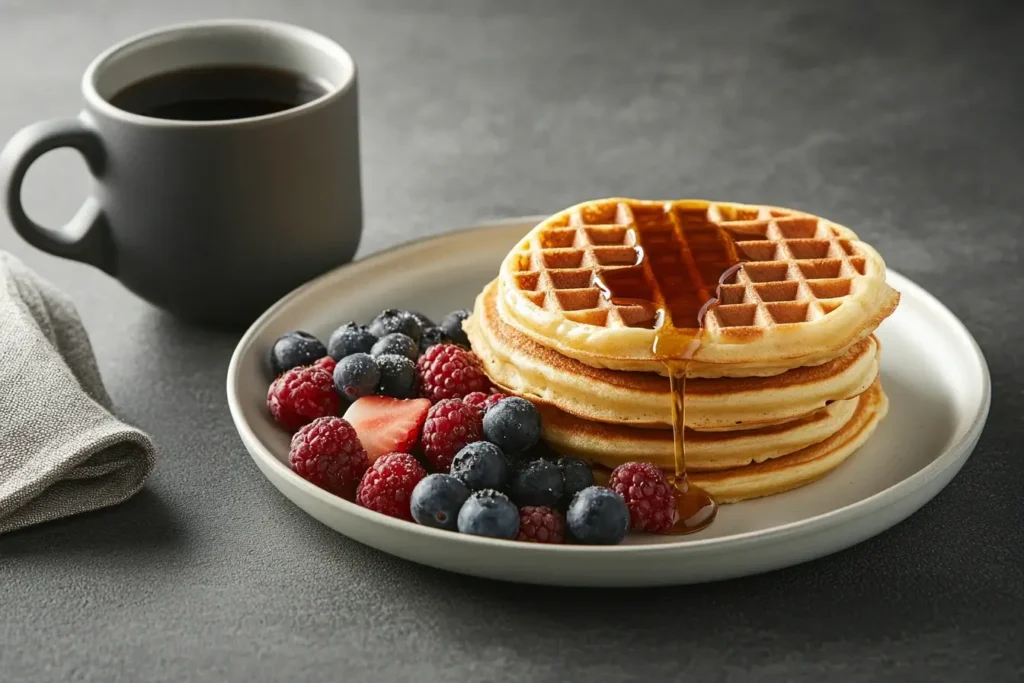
<point>902,120</point>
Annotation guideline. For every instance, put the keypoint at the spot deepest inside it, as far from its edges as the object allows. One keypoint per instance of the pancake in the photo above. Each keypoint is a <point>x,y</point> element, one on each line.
<point>795,469</point>
<point>522,366</point>
<point>612,445</point>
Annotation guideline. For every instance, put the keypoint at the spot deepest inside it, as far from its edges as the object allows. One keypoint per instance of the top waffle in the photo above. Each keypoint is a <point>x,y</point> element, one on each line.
<point>601,281</point>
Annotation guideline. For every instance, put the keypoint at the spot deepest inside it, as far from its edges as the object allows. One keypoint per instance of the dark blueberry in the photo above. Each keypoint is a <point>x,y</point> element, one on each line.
<point>392,320</point>
<point>294,349</point>
<point>356,376</point>
<point>481,465</point>
<point>452,326</point>
<point>512,423</point>
<point>576,476</point>
<point>597,516</point>
<point>397,376</point>
<point>431,337</point>
<point>489,513</point>
<point>396,343</point>
<point>436,501</point>
<point>538,482</point>
<point>423,320</point>
<point>348,339</point>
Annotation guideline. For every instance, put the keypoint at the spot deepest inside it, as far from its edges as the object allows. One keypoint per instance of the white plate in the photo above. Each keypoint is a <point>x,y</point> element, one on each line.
<point>933,371</point>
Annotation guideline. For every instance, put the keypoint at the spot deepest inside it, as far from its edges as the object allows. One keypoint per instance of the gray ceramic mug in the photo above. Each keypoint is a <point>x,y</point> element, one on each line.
<point>211,220</point>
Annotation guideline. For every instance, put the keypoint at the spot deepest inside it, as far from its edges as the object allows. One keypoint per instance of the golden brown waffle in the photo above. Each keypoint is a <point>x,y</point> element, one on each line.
<point>807,290</point>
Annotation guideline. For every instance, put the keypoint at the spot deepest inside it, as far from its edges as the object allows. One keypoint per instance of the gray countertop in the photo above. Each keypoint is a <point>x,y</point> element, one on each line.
<point>902,120</point>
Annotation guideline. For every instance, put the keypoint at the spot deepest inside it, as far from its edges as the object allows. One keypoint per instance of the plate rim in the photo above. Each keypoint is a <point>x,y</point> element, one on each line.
<point>891,495</point>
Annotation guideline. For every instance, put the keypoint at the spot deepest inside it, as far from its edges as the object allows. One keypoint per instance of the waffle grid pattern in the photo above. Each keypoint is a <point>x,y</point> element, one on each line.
<point>796,267</point>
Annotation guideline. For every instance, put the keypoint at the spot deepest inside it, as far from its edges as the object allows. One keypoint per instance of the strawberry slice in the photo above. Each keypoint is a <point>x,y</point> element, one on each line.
<point>387,425</point>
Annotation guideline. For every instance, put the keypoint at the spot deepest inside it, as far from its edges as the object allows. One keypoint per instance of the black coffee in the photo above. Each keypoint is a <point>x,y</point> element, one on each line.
<point>218,93</point>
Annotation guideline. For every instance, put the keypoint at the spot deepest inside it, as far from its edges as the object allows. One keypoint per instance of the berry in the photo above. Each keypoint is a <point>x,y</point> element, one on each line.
<point>388,484</point>
<point>436,501</point>
<point>514,424</point>
<point>327,453</point>
<point>648,495</point>
<point>348,339</point>
<point>396,343</point>
<point>294,349</point>
<point>397,376</point>
<point>391,320</point>
<point>538,482</point>
<point>327,363</point>
<point>481,465</point>
<point>387,425</point>
<point>489,513</point>
<point>597,516</point>
<point>539,524</point>
<point>481,401</point>
<point>423,320</point>
<point>452,326</point>
<point>301,395</point>
<point>450,425</point>
<point>432,336</point>
<point>447,371</point>
<point>576,476</point>
<point>356,376</point>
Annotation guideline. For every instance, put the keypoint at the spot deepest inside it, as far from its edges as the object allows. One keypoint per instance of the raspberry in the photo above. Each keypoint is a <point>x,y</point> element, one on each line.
<point>327,453</point>
<point>648,495</point>
<point>450,425</point>
<point>327,363</point>
<point>387,486</point>
<point>481,401</point>
<point>539,524</point>
<point>447,371</point>
<point>301,395</point>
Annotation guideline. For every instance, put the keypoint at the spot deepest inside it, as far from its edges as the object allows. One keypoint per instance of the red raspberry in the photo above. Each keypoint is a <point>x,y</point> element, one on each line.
<point>327,363</point>
<point>327,453</point>
<point>301,395</point>
<point>448,371</point>
<point>387,485</point>
<point>648,494</point>
<point>480,401</point>
<point>540,524</point>
<point>450,425</point>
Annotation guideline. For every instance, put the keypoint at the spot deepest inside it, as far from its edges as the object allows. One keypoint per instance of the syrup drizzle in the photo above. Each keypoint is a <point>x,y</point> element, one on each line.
<point>688,258</point>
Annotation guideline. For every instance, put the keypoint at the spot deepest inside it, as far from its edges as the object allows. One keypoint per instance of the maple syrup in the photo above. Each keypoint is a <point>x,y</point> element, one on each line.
<point>689,268</point>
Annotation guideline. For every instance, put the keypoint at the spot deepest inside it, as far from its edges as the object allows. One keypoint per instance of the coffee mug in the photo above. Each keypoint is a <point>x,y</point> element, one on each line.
<point>226,163</point>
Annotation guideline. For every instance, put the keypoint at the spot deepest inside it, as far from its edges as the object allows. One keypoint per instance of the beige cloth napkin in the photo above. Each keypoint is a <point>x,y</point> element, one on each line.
<point>62,450</point>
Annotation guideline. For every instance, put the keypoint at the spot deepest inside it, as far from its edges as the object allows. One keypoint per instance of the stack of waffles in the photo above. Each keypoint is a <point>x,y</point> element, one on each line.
<point>768,312</point>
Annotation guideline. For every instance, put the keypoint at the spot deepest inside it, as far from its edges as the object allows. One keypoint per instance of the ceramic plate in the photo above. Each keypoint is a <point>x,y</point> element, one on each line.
<point>933,371</point>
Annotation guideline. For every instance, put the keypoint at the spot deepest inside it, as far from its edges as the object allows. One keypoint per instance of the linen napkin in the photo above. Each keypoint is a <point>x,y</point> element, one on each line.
<point>62,450</point>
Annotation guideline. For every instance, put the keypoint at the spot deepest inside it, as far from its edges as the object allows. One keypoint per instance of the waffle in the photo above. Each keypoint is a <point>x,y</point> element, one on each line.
<point>522,366</point>
<point>807,291</point>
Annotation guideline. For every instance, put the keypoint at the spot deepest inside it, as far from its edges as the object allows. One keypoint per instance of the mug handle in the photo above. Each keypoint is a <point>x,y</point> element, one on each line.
<point>86,237</point>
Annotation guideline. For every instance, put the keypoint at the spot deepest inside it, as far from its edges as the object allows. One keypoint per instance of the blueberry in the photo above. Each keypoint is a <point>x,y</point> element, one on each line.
<point>392,320</point>
<point>396,343</point>
<point>538,482</point>
<point>348,339</point>
<point>431,337</point>
<point>397,376</point>
<point>423,320</point>
<point>597,516</point>
<point>436,501</point>
<point>294,349</point>
<point>480,465</point>
<point>452,326</point>
<point>489,513</point>
<point>512,423</point>
<point>356,376</point>
<point>576,476</point>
